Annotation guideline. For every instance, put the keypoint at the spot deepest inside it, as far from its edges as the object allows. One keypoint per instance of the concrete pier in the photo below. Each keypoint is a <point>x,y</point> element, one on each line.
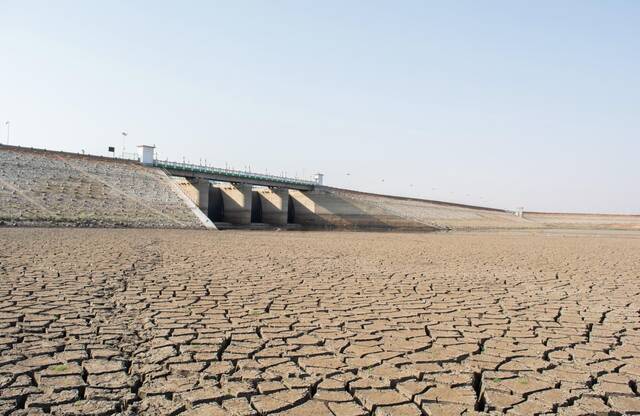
<point>275,205</point>
<point>237,203</point>
<point>202,188</point>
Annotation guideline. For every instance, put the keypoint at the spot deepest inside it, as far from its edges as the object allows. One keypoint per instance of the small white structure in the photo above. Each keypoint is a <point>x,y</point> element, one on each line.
<point>318,178</point>
<point>146,154</point>
<point>519,211</point>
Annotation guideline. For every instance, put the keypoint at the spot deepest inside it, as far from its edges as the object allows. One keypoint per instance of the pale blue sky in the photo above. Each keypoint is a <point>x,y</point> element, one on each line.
<point>499,103</point>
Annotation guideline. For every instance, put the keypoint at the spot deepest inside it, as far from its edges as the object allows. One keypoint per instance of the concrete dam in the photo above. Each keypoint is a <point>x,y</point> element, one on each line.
<point>41,187</point>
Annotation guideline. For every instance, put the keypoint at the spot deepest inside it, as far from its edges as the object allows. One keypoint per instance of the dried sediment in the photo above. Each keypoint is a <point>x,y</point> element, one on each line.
<point>191,322</point>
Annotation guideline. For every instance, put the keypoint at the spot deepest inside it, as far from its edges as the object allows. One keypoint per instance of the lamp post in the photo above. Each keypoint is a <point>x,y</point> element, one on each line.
<point>124,135</point>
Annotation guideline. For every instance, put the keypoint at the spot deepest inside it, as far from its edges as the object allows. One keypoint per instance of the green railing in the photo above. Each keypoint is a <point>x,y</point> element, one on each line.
<point>187,167</point>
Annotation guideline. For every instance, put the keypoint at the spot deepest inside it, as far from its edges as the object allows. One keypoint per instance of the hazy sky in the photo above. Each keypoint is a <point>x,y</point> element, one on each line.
<point>499,103</point>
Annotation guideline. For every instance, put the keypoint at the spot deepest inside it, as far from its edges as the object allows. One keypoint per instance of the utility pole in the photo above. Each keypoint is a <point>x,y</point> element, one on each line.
<point>7,124</point>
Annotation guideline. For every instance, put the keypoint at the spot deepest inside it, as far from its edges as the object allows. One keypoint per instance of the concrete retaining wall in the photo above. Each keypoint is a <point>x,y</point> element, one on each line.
<point>339,208</point>
<point>326,209</point>
<point>438,215</point>
<point>237,203</point>
<point>275,206</point>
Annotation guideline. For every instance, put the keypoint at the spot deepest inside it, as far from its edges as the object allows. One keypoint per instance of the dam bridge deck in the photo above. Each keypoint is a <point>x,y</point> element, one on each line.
<point>234,176</point>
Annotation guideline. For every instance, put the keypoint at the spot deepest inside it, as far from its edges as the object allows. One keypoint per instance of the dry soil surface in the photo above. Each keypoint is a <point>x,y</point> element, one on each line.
<point>99,322</point>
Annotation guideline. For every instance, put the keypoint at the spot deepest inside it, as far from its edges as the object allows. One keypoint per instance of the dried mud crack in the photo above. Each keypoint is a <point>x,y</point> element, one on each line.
<point>105,322</point>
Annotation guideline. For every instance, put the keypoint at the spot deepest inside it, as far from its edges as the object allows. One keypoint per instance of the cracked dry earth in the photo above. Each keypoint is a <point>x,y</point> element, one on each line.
<point>101,322</point>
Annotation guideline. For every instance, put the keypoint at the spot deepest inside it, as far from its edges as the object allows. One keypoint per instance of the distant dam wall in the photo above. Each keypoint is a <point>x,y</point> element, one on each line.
<point>585,221</point>
<point>327,207</point>
<point>343,208</point>
<point>46,188</point>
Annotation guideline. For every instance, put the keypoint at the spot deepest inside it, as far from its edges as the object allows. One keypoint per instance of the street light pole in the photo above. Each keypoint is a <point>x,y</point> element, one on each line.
<point>124,135</point>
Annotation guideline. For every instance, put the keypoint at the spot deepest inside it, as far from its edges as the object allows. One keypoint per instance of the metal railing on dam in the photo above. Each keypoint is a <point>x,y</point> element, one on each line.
<point>230,175</point>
